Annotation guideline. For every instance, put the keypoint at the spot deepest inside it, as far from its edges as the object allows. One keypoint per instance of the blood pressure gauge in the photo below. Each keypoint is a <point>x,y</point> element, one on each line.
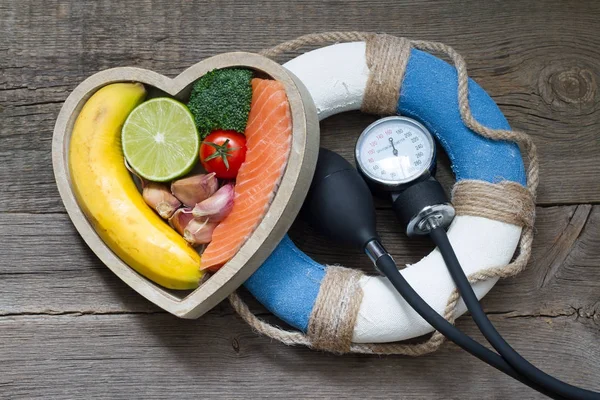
<point>397,155</point>
<point>393,152</point>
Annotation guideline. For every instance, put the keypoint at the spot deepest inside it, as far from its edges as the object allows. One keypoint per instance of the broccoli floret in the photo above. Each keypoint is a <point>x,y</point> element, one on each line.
<point>221,100</point>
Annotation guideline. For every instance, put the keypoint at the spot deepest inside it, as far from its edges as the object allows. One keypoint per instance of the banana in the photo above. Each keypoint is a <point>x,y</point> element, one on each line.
<point>111,201</point>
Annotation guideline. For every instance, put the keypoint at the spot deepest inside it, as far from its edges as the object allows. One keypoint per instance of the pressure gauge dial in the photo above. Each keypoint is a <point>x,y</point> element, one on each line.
<point>393,152</point>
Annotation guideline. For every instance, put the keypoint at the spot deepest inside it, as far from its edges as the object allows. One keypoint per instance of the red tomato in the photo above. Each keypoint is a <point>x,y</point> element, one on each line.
<point>223,152</point>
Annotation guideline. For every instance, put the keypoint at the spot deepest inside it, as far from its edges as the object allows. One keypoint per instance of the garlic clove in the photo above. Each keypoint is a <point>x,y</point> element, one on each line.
<point>195,188</point>
<point>217,206</point>
<point>138,180</point>
<point>158,196</point>
<point>199,231</point>
<point>180,219</point>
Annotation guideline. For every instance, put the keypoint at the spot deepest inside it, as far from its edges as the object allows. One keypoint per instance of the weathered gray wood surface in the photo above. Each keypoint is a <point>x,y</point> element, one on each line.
<point>69,329</point>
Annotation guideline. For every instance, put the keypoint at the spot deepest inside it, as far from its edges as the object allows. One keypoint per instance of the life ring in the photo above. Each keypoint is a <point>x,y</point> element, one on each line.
<point>336,76</point>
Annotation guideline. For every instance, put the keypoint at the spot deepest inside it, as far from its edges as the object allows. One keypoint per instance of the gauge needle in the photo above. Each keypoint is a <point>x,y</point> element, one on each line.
<point>393,147</point>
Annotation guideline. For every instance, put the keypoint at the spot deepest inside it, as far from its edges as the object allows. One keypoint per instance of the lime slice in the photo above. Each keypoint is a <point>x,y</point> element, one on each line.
<point>160,139</point>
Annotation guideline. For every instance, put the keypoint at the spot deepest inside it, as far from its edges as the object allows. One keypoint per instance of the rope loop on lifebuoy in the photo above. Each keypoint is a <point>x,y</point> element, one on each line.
<point>334,313</point>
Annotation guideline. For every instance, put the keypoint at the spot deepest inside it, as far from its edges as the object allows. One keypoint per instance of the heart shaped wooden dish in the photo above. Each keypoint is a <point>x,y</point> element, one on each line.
<point>283,209</point>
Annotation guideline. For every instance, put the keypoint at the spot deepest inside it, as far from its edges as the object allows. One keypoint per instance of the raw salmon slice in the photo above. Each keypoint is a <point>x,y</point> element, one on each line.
<point>268,142</point>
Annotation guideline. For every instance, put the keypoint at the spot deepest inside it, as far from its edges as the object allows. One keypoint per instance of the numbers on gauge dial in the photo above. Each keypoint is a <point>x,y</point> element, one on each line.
<point>395,153</point>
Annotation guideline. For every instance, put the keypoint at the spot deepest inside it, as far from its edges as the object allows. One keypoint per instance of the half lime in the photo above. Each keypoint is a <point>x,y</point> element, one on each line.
<point>160,139</point>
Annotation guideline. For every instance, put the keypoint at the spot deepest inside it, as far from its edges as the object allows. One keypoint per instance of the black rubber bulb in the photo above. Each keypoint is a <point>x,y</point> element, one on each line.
<point>339,203</point>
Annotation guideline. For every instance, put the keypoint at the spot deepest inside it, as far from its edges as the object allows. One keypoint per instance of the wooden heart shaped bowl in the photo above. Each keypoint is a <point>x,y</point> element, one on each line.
<point>276,222</point>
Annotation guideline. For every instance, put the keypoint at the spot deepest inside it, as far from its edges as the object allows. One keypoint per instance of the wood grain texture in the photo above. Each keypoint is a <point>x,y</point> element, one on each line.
<point>538,60</point>
<point>157,356</point>
<point>69,328</point>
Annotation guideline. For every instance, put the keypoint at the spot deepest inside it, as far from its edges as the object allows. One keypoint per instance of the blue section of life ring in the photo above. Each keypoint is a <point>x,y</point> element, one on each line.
<point>288,282</point>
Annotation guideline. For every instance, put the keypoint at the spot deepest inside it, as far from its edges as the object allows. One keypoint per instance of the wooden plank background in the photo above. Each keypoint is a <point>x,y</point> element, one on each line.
<point>70,329</point>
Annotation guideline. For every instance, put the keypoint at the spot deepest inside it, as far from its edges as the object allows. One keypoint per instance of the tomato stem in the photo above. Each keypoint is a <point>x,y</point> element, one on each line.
<point>221,150</point>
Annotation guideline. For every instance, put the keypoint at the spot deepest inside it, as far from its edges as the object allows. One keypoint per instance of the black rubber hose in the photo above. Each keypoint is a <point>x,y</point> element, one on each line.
<point>524,367</point>
<point>386,265</point>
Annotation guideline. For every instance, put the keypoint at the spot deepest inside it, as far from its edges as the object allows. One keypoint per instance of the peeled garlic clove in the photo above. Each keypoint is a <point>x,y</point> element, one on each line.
<point>199,231</point>
<point>180,219</point>
<point>217,206</point>
<point>195,188</point>
<point>158,196</point>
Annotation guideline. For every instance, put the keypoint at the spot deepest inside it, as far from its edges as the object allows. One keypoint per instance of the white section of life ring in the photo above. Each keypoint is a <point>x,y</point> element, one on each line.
<point>336,78</point>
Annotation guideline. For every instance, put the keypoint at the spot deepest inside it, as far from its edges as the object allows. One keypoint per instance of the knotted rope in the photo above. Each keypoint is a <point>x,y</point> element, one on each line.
<point>336,308</point>
<point>387,57</point>
<point>331,328</point>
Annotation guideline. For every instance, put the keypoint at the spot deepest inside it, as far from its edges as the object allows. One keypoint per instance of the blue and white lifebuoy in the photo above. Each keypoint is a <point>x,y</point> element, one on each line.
<point>336,76</point>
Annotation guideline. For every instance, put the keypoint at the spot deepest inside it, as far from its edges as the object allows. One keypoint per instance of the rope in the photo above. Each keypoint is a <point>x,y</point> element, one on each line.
<point>332,321</point>
<point>331,328</point>
<point>505,201</point>
<point>387,57</point>
<point>315,39</point>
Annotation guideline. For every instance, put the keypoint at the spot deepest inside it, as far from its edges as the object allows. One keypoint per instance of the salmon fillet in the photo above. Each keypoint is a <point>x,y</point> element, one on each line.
<point>268,141</point>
